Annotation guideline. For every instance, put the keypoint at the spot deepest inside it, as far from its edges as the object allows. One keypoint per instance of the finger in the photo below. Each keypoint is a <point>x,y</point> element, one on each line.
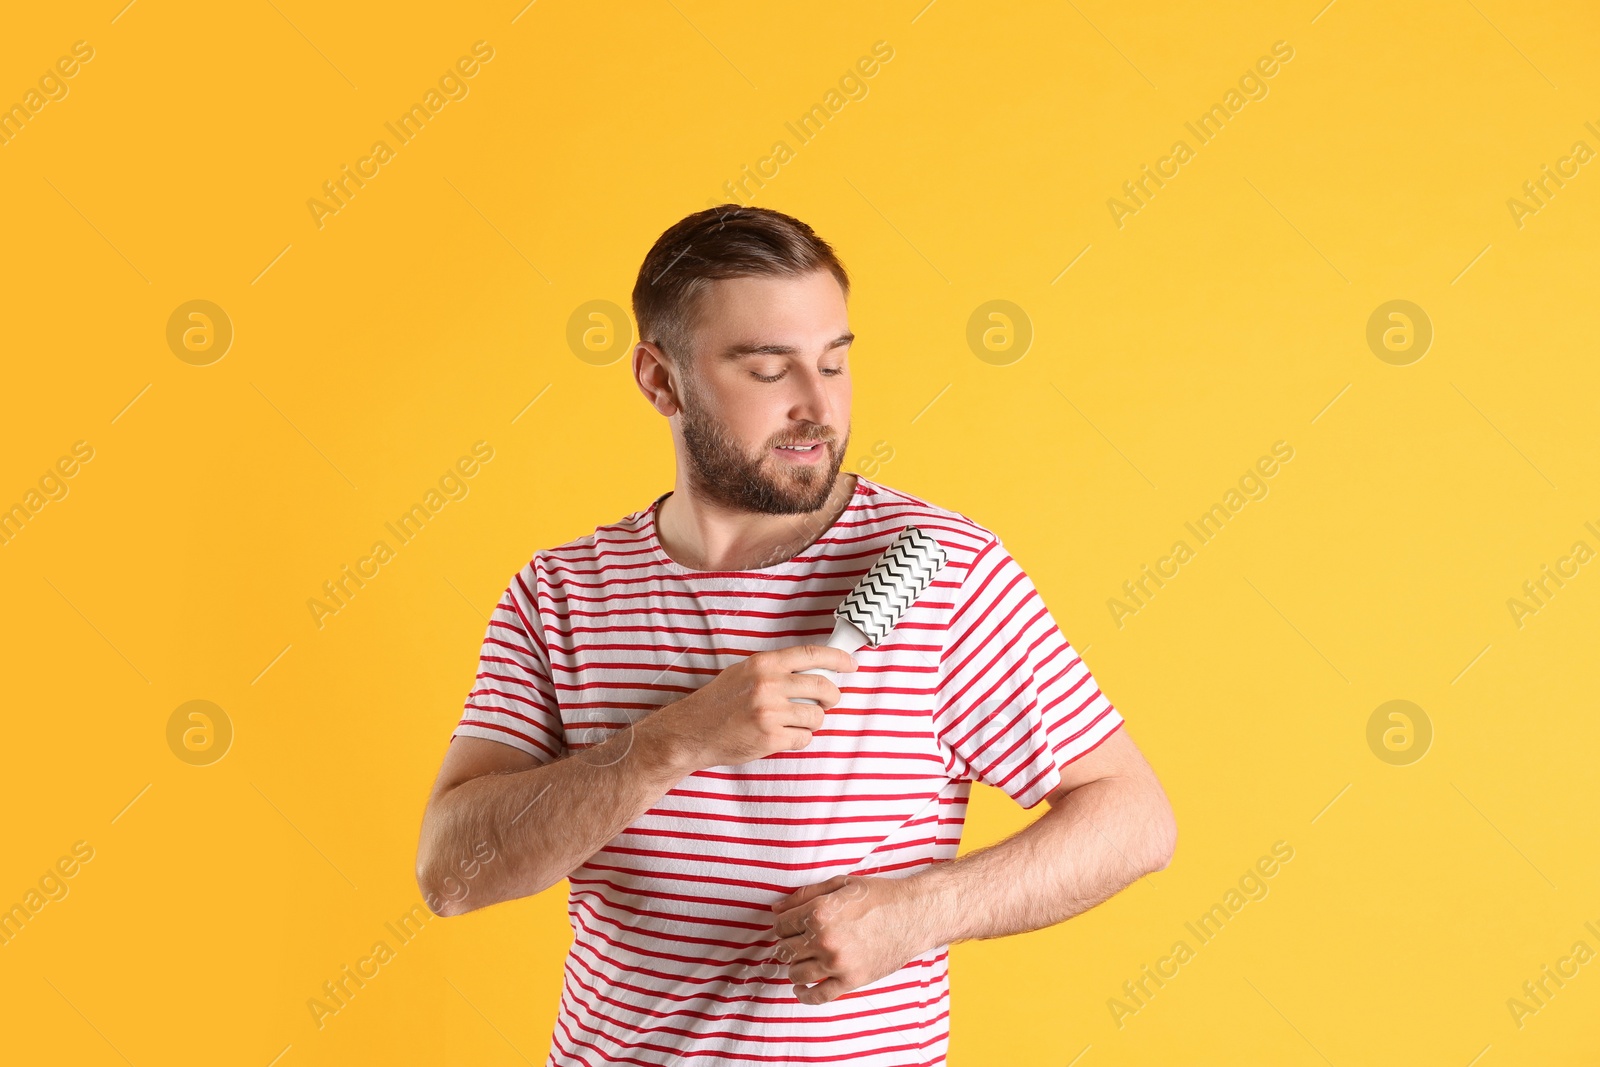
<point>802,657</point>
<point>809,716</point>
<point>813,687</point>
<point>822,992</point>
<point>799,921</point>
<point>806,972</point>
<point>805,893</point>
<point>794,949</point>
<point>792,923</point>
<point>797,738</point>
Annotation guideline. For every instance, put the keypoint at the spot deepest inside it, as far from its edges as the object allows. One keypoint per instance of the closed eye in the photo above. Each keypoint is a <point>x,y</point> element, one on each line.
<point>831,371</point>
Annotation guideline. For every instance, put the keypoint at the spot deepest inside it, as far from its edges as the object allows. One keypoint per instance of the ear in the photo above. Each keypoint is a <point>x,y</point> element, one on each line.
<point>653,373</point>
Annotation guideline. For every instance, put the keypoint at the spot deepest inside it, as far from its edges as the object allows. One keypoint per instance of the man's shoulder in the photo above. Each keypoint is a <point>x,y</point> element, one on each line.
<point>963,538</point>
<point>612,543</point>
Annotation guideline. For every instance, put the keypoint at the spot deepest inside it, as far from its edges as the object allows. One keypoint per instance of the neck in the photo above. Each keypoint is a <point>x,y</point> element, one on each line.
<point>703,536</point>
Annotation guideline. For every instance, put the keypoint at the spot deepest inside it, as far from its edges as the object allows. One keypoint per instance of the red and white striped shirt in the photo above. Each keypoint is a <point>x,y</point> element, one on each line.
<point>671,920</point>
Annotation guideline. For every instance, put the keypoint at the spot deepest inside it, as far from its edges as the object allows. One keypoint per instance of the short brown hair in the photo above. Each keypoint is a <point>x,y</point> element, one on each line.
<point>727,241</point>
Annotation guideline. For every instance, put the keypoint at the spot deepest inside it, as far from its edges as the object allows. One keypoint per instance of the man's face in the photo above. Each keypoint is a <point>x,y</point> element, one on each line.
<point>769,369</point>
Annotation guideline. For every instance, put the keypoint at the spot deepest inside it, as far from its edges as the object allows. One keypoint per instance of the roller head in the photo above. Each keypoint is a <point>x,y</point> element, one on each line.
<point>886,592</point>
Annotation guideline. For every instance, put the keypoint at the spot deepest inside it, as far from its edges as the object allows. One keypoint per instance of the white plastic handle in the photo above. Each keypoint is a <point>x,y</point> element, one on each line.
<point>845,636</point>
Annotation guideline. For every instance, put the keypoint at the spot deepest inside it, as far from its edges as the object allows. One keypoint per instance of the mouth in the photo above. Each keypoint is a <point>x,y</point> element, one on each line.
<point>805,452</point>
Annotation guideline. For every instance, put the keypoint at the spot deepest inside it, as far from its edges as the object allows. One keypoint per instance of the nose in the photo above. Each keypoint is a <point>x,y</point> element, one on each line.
<point>811,402</point>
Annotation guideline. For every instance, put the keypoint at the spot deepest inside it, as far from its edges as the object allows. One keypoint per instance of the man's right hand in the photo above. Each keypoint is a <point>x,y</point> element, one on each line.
<point>749,710</point>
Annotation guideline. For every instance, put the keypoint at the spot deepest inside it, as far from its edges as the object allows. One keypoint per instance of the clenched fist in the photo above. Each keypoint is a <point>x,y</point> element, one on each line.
<point>749,710</point>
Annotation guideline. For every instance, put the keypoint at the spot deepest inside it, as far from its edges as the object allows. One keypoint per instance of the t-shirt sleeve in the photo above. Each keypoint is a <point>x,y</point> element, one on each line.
<point>513,698</point>
<point>1015,703</point>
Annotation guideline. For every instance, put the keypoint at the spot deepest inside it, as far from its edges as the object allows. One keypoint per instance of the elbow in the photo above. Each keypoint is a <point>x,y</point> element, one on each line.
<point>428,884</point>
<point>1163,856</point>
<point>454,884</point>
<point>441,893</point>
<point>440,889</point>
<point>1163,836</point>
<point>444,907</point>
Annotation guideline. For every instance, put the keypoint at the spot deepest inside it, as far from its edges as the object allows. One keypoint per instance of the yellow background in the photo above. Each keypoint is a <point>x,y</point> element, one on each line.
<point>427,314</point>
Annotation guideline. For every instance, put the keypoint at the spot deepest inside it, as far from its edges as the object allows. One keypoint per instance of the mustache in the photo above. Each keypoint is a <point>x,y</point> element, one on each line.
<point>825,439</point>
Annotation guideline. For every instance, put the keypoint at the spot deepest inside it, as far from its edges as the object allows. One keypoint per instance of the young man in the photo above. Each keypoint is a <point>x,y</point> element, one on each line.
<point>752,879</point>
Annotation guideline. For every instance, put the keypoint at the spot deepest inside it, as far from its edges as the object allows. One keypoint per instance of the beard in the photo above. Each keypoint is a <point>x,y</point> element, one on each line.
<point>723,473</point>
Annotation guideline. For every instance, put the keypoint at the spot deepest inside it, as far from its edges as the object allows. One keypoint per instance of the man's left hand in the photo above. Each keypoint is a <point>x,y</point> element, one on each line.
<point>841,934</point>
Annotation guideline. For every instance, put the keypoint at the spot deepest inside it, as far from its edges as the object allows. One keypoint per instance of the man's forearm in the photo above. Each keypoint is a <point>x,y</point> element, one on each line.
<point>546,821</point>
<point>1103,836</point>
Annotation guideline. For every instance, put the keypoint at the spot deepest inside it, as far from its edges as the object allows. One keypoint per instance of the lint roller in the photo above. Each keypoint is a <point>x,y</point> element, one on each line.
<point>883,596</point>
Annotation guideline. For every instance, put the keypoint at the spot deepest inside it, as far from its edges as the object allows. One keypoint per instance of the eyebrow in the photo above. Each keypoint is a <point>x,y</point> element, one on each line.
<point>751,348</point>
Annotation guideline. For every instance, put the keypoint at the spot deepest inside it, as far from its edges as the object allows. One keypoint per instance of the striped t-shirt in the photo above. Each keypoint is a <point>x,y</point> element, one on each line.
<point>671,958</point>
